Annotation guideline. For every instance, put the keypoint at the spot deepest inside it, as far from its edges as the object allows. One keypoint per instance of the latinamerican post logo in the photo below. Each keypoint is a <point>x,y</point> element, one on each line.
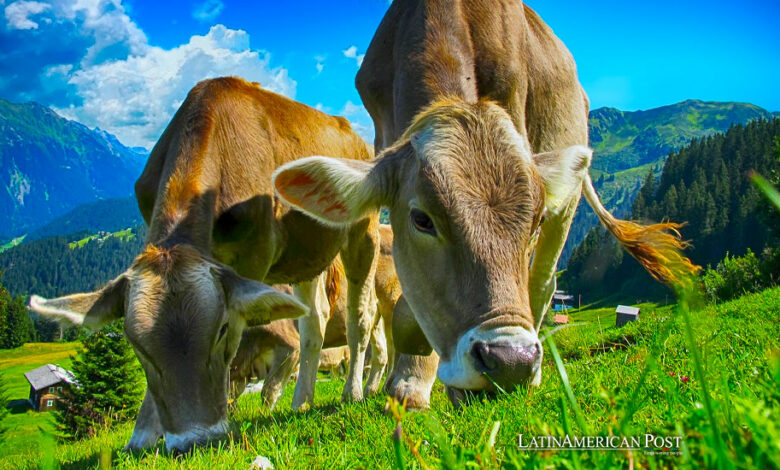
<point>649,443</point>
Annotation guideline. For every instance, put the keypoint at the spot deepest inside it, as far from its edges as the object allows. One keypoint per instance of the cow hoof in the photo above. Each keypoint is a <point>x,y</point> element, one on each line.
<point>413,395</point>
<point>456,396</point>
<point>350,397</point>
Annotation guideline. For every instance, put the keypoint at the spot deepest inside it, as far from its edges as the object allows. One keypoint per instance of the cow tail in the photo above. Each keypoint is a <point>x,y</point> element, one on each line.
<point>657,247</point>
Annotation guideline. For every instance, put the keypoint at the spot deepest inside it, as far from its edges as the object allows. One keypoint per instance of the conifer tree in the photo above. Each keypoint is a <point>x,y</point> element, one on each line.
<point>15,324</point>
<point>109,384</point>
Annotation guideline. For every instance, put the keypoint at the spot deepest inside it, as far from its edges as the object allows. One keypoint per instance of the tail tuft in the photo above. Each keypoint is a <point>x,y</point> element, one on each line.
<point>657,247</point>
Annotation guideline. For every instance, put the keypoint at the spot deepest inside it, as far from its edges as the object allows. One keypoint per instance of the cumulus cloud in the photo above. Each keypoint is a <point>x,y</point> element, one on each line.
<point>352,53</point>
<point>135,98</point>
<point>18,14</point>
<point>78,33</point>
<point>208,10</point>
<point>360,119</point>
<point>92,63</point>
<point>319,63</point>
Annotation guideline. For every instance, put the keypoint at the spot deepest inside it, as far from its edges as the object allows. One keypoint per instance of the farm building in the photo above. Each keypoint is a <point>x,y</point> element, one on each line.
<point>561,301</point>
<point>561,319</point>
<point>626,314</point>
<point>46,385</point>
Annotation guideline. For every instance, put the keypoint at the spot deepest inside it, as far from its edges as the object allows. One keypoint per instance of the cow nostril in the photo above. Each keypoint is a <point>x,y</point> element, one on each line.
<point>482,357</point>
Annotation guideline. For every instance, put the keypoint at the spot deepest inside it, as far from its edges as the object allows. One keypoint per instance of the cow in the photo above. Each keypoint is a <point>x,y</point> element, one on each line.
<point>270,352</point>
<point>481,135</point>
<point>216,233</point>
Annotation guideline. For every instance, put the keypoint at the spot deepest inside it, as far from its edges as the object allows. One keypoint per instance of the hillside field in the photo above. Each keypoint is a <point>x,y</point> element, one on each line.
<point>711,375</point>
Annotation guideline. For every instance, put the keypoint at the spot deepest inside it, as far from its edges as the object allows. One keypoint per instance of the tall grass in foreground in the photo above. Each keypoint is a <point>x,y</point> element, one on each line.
<point>709,374</point>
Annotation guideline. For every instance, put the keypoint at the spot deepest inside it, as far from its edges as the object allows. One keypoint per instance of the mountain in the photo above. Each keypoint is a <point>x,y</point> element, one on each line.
<point>104,215</point>
<point>49,165</point>
<point>705,184</point>
<point>628,145</point>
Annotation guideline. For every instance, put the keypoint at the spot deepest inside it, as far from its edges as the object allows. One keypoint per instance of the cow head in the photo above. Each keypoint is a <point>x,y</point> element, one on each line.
<point>183,315</point>
<point>467,200</point>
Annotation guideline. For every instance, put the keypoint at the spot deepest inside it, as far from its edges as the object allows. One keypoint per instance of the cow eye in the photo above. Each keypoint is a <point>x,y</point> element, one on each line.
<point>222,332</point>
<point>422,222</point>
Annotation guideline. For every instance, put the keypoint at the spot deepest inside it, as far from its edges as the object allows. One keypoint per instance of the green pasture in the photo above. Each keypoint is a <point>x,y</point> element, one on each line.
<point>710,375</point>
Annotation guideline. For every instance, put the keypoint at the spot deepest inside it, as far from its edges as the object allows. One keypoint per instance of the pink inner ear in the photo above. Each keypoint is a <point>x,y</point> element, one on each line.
<point>302,190</point>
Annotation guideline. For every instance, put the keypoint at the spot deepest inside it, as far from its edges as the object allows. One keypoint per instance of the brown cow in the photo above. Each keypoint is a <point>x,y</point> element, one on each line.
<point>483,126</point>
<point>270,352</point>
<point>215,230</point>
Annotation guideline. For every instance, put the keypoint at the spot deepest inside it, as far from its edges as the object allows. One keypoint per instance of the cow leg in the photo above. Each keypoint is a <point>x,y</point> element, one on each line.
<point>148,429</point>
<point>312,330</point>
<point>411,380</point>
<point>360,255</point>
<point>541,284</point>
<point>378,357</point>
<point>387,322</point>
<point>283,366</point>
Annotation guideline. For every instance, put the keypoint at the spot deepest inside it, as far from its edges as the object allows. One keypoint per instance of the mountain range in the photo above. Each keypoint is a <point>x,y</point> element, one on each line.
<point>61,177</point>
<point>49,165</point>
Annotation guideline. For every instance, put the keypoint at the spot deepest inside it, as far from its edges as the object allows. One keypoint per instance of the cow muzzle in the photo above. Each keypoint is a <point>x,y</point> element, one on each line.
<point>487,359</point>
<point>196,436</point>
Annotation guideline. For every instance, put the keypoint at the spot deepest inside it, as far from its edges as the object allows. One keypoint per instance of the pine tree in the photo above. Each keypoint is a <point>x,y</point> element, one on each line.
<point>18,325</point>
<point>110,384</point>
<point>15,324</point>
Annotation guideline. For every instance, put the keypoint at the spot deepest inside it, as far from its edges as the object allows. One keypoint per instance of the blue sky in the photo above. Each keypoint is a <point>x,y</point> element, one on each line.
<point>126,65</point>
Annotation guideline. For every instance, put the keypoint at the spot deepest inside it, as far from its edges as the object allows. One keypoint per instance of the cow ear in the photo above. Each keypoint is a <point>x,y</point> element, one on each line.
<point>259,303</point>
<point>408,337</point>
<point>562,173</point>
<point>92,310</point>
<point>335,191</point>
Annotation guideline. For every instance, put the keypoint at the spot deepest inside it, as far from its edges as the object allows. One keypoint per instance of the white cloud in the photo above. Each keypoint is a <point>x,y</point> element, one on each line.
<point>319,63</point>
<point>351,53</point>
<point>360,119</point>
<point>135,98</point>
<point>208,10</point>
<point>18,14</point>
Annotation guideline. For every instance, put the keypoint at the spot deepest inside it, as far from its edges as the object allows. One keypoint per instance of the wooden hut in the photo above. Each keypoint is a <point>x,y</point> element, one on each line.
<point>46,385</point>
<point>626,314</point>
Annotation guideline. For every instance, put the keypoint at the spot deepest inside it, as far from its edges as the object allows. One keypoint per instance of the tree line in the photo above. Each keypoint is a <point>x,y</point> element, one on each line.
<point>50,268</point>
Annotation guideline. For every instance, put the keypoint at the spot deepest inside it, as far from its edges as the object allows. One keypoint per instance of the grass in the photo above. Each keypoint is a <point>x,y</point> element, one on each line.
<point>714,380</point>
<point>12,243</point>
<point>28,432</point>
<point>123,235</point>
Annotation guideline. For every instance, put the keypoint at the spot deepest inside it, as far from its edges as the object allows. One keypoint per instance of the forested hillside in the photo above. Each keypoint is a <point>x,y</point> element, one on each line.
<point>106,215</point>
<point>629,144</point>
<point>55,266</point>
<point>705,184</point>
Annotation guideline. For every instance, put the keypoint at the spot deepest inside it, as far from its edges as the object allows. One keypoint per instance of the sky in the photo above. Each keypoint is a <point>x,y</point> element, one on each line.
<point>126,65</point>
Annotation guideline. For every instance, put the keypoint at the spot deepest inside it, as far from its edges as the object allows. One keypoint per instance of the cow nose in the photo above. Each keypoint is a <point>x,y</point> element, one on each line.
<point>506,364</point>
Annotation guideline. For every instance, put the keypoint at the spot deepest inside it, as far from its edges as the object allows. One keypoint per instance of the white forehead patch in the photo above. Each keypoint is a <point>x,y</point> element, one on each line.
<point>520,142</point>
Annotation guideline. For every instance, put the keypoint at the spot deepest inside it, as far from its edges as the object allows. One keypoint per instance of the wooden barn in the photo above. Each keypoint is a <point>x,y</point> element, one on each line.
<point>46,386</point>
<point>626,314</point>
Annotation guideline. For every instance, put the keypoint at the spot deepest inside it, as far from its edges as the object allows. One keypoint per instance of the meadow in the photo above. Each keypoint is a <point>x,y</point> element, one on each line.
<point>710,375</point>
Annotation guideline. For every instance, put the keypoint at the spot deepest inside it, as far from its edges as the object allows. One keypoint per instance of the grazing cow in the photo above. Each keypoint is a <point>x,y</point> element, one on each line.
<point>270,352</point>
<point>483,128</point>
<point>215,230</point>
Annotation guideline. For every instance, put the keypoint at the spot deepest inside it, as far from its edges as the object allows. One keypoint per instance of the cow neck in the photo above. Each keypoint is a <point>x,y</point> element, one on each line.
<point>445,62</point>
<point>184,213</point>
